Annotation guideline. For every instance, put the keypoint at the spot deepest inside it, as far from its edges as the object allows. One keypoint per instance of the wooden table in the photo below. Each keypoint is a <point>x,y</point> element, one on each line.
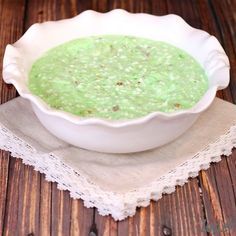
<point>29,205</point>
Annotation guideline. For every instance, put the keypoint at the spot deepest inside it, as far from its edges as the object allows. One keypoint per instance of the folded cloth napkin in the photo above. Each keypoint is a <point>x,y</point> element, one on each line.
<point>117,183</point>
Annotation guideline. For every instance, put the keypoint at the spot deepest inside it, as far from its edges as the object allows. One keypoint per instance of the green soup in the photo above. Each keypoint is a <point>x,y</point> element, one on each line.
<point>117,77</point>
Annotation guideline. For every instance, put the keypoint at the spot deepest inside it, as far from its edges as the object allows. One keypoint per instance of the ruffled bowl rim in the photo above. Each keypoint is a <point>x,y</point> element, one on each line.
<point>11,76</point>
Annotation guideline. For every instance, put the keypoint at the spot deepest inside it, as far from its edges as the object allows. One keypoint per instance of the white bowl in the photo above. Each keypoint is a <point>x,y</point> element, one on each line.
<point>124,136</point>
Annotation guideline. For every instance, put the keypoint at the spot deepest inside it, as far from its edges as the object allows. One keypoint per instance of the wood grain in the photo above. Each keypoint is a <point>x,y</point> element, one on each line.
<point>222,21</point>
<point>231,162</point>
<point>172,212</point>
<point>11,28</point>
<point>29,205</point>
<point>81,219</point>
<point>28,200</point>
<point>45,207</point>
<point>12,203</point>
<point>180,216</point>
<point>4,162</point>
<point>219,197</point>
<point>60,214</point>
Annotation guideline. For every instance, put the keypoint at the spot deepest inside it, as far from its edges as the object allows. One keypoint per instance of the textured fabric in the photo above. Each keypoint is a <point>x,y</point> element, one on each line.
<point>117,183</point>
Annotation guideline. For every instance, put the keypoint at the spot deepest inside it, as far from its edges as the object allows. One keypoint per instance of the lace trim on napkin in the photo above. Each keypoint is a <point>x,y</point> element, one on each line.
<point>118,205</point>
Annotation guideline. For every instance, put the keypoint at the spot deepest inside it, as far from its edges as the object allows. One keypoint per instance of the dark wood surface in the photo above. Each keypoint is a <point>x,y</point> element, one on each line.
<point>206,205</point>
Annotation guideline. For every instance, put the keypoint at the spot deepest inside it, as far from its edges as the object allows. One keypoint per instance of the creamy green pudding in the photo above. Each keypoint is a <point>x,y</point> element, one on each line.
<point>117,77</point>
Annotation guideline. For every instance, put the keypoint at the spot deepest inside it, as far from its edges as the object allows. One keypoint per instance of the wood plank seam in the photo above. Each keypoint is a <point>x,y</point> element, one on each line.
<point>204,224</point>
<point>231,178</point>
<point>10,158</point>
<point>218,193</point>
<point>25,16</point>
<point>7,189</point>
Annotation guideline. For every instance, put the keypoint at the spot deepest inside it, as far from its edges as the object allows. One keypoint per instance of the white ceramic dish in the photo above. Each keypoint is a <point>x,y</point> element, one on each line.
<point>134,135</point>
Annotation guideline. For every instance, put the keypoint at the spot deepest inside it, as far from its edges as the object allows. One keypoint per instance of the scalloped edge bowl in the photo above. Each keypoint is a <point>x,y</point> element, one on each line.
<point>120,136</point>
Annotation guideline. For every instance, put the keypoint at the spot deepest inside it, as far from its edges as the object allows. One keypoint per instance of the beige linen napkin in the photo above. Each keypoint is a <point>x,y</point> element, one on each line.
<point>117,183</point>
